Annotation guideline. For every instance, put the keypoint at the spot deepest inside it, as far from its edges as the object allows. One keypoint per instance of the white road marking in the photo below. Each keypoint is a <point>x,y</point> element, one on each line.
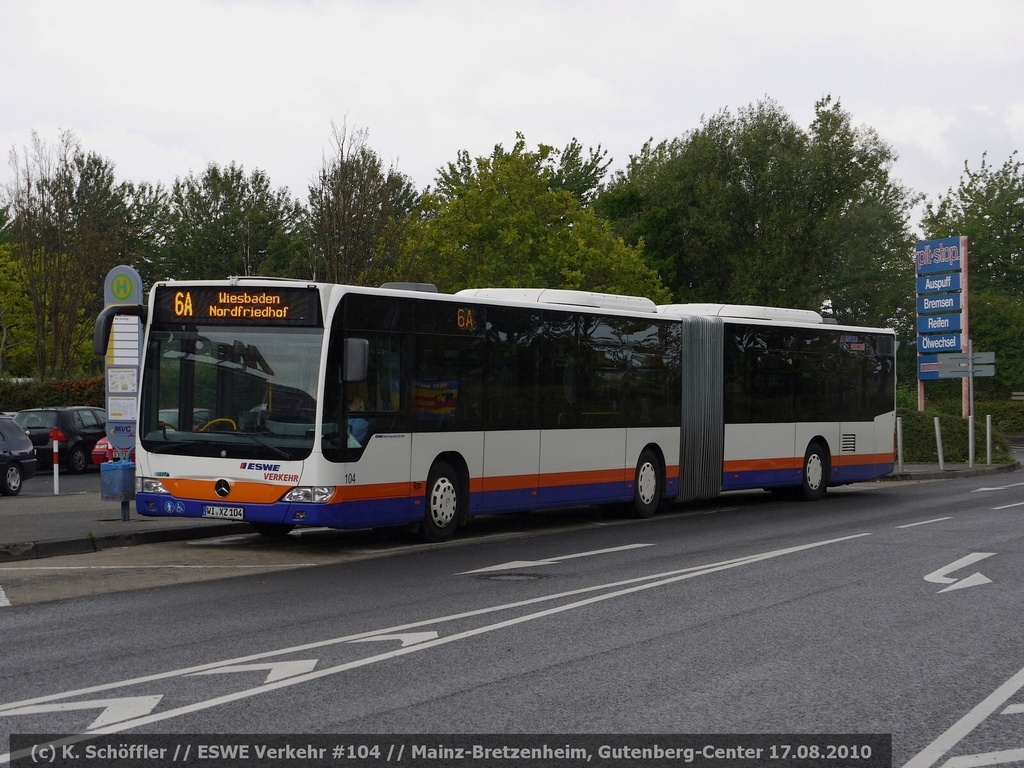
<point>114,710</point>
<point>4,602</point>
<point>1008,506</point>
<point>405,638</point>
<point>974,580</point>
<point>277,670</point>
<point>956,732</point>
<point>987,758</point>
<point>551,561</point>
<point>619,589</point>
<point>998,487</point>
<point>925,522</point>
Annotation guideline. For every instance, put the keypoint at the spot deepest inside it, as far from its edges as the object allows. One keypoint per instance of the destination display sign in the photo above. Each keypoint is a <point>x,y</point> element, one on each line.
<point>237,305</point>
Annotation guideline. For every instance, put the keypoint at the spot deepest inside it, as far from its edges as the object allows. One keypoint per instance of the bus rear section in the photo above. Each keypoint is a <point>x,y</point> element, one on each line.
<point>803,404</point>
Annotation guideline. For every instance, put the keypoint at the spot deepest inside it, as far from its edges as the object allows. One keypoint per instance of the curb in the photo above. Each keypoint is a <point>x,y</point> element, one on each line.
<point>35,550</point>
<point>947,474</point>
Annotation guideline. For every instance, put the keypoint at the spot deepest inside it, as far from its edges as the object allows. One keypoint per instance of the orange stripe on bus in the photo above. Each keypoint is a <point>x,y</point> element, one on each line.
<point>241,491</point>
<point>376,492</point>
<point>244,492</point>
<point>760,465</point>
<point>863,458</point>
<point>796,462</point>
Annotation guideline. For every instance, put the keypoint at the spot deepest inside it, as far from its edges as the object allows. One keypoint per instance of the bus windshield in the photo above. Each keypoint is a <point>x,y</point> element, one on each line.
<point>230,391</point>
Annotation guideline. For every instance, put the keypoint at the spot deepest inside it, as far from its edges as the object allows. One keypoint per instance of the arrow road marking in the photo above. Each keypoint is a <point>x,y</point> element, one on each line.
<point>406,638</point>
<point>974,580</point>
<point>279,670</point>
<point>999,487</point>
<point>515,564</point>
<point>114,710</point>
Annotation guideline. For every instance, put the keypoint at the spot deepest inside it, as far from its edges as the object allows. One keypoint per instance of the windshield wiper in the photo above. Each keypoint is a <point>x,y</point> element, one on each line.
<point>261,442</point>
<point>198,447</point>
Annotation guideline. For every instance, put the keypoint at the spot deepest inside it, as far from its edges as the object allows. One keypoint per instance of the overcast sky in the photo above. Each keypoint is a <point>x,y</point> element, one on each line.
<point>163,89</point>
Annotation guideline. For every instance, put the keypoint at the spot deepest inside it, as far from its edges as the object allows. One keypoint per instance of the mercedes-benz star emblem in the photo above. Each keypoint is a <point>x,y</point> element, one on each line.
<point>223,488</point>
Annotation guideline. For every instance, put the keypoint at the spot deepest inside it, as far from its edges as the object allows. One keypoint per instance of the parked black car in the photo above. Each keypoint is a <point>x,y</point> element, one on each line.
<point>17,457</point>
<point>76,430</point>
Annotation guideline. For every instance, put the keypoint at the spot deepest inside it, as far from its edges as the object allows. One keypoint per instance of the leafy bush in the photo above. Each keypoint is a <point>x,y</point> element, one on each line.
<point>18,395</point>
<point>920,445</point>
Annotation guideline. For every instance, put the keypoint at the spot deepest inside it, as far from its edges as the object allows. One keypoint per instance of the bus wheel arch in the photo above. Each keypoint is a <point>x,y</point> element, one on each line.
<point>648,482</point>
<point>446,499</point>
<point>816,470</point>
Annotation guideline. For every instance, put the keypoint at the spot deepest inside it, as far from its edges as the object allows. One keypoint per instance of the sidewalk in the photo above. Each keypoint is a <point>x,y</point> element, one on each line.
<point>39,526</point>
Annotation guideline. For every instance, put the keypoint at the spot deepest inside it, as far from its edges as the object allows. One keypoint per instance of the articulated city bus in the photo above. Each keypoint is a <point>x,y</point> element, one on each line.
<point>285,403</point>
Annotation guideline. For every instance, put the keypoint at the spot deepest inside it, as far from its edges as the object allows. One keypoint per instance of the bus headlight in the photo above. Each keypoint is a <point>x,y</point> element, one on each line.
<point>149,485</point>
<point>314,494</point>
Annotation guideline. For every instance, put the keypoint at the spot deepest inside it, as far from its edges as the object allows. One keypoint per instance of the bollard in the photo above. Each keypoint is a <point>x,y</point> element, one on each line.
<point>970,441</point>
<point>988,439</point>
<point>899,444</point>
<point>56,468</point>
<point>938,443</point>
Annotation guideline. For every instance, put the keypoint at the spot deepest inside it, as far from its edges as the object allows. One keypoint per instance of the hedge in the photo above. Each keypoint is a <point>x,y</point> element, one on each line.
<point>18,395</point>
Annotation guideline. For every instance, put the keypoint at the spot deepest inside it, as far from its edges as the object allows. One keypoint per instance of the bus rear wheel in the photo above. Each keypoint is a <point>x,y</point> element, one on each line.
<point>816,472</point>
<point>647,484</point>
<point>444,502</point>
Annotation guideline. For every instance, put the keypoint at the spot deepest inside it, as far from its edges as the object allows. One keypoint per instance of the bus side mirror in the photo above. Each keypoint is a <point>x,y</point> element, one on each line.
<point>357,356</point>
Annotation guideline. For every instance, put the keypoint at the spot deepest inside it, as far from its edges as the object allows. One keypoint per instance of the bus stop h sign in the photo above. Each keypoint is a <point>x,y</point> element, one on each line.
<point>123,285</point>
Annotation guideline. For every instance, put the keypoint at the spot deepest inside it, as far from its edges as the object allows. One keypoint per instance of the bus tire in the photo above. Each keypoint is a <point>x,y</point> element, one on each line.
<point>444,503</point>
<point>647,485</point>
<point>815,472</point>
<point>274,530</point>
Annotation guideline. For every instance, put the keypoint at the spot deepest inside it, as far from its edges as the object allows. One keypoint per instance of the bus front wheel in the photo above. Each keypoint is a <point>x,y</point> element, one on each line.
<point>647,485</point>
<point>444,501</point>
<point>816,471</point>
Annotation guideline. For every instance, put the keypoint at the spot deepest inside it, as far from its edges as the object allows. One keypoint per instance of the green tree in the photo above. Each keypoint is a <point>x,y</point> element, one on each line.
<point>17,340</point>
<point>752,209</point>
<point>571,169</point>
<point>988,207</point>
<point>515,219</point>
<point>225,223</point>
<point>357,214</point>
<point>69,222</point>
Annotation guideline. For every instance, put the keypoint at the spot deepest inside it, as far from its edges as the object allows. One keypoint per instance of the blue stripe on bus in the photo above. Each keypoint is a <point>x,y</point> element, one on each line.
<point>781,478</point>
<point>366,513</point>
